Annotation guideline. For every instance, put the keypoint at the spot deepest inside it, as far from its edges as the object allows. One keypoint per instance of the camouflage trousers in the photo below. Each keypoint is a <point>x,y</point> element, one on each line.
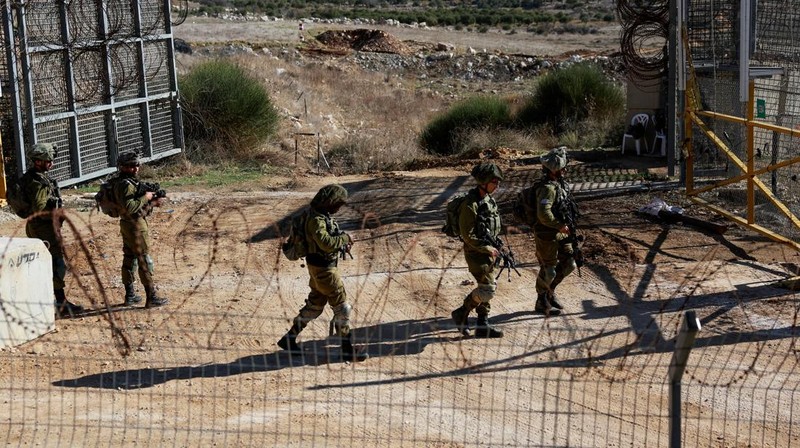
<point>44,230</point>
<point>136,253</point>
<point>555,263</point>
<point>326,288</point>
<point>482,268</point>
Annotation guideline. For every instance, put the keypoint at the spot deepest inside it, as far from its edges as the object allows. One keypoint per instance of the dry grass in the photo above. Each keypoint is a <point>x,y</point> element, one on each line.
<point>362,121</point>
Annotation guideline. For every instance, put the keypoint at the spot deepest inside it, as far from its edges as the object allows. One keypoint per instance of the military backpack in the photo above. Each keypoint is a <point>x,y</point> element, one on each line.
<point>17,199</point>
<point>451,227</point>
<point>106,201</point>
<point>296,246</point>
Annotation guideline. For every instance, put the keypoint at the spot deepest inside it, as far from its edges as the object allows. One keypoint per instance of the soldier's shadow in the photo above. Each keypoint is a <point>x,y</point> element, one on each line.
<point>406,337</point>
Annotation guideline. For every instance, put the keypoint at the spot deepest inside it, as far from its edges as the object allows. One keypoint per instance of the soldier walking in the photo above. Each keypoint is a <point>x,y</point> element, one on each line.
<point>478,217</point>
<point>325,243</point>
<point>554,246</point>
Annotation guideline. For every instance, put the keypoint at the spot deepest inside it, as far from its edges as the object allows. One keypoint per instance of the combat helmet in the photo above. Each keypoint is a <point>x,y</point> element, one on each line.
<point>484,172</point>
<point>329,197</point>
<point>555,160</point>
<point>128,159</point>
<point>43,151</point>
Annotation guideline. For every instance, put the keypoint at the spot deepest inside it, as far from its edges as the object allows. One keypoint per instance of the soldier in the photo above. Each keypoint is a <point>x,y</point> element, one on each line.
<point>136,204</point>
<point>46,218</point>
<point>325,243</point>
<point>554,249</point>
<point>478,217</point>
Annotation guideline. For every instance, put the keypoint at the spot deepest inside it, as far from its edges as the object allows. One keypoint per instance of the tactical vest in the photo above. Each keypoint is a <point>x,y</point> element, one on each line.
<point>315,256</point>
<point>488,219</point>
<point>53,192</point>
<point>558,205</point>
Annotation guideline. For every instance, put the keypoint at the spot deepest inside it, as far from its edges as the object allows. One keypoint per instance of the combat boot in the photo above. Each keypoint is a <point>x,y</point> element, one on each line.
<point>543,306</point>
<point>153,300</point>
<point>131,298</point>
<point>460,316</point>
<point>484,330</point>
<point>289,341</point>
<point>65,308</point>
<point>349,353</point>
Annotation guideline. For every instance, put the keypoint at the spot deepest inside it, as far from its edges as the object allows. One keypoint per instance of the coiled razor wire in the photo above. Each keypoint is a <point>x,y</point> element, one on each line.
<point>88,44</point>
<point>644,23</point>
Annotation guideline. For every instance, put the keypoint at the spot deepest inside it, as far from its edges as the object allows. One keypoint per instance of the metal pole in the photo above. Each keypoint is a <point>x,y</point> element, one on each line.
<point>683,345</point>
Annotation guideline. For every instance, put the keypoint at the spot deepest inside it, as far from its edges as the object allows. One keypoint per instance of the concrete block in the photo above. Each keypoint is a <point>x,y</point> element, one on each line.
<point>27,308</point>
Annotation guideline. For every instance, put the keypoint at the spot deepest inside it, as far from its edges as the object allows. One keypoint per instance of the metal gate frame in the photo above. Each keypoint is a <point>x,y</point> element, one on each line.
<point>744,166</point>
<point>140,113</point>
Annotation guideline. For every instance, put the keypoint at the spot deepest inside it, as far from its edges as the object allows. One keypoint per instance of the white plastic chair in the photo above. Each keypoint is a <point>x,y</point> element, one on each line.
<point>660,137</point>
<point>638,119</point>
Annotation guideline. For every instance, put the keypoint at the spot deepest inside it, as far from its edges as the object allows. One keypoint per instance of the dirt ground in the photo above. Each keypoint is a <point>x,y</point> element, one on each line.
<point>205,370</point>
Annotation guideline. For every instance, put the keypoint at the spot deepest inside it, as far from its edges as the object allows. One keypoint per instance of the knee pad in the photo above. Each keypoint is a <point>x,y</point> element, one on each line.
<point>484,292</point>
<point>150,265</point>
<point>341,318</point>
<point>569,266</point>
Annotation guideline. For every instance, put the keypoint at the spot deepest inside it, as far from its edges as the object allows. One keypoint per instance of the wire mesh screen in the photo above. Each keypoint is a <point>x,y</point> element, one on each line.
<point>88,57</point>
<point>205,369</point>
<point>91,131</point>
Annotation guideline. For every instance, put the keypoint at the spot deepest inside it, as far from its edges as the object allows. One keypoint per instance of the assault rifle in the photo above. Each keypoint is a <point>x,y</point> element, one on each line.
<point>344,251</point>
<point>567,211</point>
<point>506,257</point>
<point>145,187</point>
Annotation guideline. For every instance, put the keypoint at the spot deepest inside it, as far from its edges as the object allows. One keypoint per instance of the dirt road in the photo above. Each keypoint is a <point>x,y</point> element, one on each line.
<point>205,369</point>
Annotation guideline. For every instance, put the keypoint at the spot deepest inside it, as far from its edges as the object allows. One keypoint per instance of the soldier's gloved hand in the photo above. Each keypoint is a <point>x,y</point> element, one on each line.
<point>564,229</point>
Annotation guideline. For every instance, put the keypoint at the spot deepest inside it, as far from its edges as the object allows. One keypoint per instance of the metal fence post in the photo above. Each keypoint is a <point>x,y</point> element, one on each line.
<point>683,345</point>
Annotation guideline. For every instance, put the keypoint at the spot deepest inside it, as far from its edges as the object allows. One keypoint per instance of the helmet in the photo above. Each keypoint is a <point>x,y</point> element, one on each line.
<point>329,196</point>
<point>43,151</point>
<point>128,159</point>
<point>485,172</point>
<point>556,159</point>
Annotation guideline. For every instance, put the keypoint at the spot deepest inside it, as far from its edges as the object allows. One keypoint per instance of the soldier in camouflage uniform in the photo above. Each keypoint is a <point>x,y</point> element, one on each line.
<point>325,243</point>
<point>478,217</point>
<point>553,251</point>
<point>136,205</point>
<point>46,216</point>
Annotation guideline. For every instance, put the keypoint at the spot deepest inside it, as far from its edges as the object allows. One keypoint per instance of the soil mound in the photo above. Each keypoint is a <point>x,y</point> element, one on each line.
<point>376,41</point>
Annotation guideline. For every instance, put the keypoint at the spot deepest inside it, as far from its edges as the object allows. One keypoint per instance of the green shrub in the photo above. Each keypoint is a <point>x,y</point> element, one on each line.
<point>566,98</point>
<point>224,106</point>
<point>446,133</point>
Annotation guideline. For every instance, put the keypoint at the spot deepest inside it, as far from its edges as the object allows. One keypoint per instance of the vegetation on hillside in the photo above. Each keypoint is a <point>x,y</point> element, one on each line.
<point>576,106</point>
<point>481,13</point>
<point>225,109</point>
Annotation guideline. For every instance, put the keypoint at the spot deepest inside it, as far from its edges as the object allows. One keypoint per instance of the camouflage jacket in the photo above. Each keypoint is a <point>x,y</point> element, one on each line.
<point>478,217</point>
<point>42,192</point>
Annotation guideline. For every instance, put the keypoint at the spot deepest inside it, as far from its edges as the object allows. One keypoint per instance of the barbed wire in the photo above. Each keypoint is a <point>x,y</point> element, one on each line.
<point>101,47</point>
<point>644,23</point>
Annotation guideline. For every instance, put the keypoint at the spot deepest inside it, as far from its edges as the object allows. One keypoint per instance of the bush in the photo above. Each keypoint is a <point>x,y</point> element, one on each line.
<point>223,106</point>
<point>445,134</point>
<point>565,99</point>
